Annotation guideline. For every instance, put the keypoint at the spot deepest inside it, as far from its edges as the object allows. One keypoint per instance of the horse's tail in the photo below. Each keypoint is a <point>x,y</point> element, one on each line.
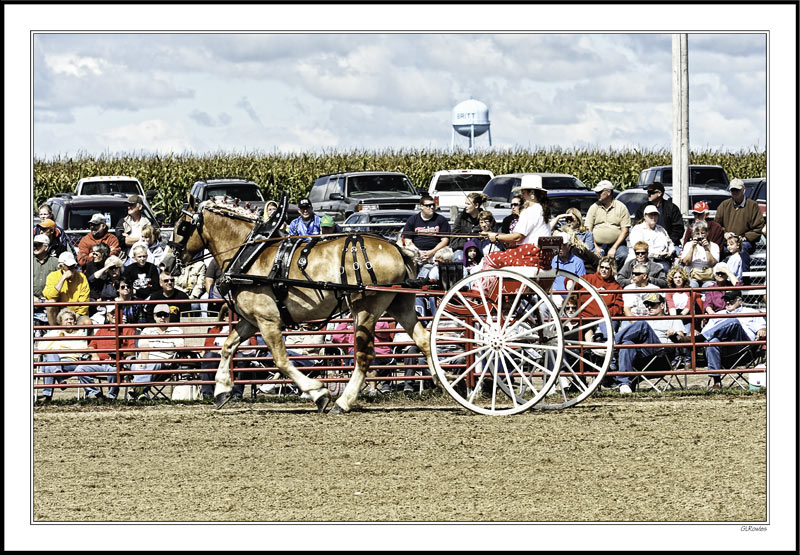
<point>410,259</point>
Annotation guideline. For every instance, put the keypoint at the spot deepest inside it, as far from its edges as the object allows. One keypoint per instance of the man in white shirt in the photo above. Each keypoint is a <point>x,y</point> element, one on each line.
<point>744,328</point>
<point>155,337</point>
<point>646,332</point>
<point>633,304</point>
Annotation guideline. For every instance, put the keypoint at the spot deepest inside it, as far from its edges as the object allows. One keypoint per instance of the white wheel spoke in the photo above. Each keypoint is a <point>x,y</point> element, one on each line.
<point>458,355</point>
<point>486,304</point>
<point>463,324</point>
<point>525,316</point>
<point>471,309</point>
<point>471,367</point>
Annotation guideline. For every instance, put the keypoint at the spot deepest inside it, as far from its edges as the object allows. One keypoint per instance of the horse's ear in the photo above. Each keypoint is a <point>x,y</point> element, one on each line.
<point>191,201</point>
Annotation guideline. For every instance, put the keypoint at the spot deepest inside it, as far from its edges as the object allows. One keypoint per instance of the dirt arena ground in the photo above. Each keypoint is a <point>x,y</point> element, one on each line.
<point>662,458</point>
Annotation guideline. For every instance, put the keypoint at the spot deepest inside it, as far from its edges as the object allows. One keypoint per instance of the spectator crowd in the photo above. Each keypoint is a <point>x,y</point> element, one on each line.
<point>663,255</point>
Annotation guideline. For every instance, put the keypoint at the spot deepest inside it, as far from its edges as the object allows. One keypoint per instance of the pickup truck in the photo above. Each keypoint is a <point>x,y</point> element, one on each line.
<point>72,214</point>
<point>248,192</point>
<point>704,176</point>
<point>112,184</point>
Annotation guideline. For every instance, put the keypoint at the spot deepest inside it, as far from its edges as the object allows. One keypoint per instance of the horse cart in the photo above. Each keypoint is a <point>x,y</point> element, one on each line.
<point>502,341</point>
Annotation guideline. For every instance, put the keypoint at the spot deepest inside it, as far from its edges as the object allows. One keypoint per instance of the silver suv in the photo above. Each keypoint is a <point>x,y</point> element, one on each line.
<point>341,194</point>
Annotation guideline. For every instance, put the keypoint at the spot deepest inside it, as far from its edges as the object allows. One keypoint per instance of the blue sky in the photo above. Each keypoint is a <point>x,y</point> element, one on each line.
<point>204,93</point>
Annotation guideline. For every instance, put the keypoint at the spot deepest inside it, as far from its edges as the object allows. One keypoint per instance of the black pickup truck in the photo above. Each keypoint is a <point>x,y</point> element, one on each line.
<point>703,176</point>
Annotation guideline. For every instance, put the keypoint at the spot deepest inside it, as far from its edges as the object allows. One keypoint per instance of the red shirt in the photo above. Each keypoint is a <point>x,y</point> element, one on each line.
<point>126,341</point>
<point>613,302</point>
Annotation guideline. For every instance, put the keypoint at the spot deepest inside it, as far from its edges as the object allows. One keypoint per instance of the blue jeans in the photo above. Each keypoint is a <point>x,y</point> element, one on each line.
<point>729,330</point>
<point>104,369</point>
<point>86,379</point>
<point>635,334</point>
<point>619,257</point>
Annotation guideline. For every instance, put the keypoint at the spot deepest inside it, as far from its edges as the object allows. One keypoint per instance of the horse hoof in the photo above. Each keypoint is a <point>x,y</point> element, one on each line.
<point>336,410</point>
<point>322,403</point>
<point>221,399</point>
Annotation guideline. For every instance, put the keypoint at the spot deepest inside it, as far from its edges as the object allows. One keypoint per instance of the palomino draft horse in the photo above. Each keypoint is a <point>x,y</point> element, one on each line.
<point>222,229</point>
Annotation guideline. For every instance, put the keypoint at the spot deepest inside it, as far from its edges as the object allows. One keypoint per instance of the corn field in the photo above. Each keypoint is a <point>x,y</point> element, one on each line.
<point>171,176</point>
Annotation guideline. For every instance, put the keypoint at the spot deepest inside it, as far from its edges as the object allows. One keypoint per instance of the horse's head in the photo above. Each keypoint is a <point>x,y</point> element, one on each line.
<point>187,241</point>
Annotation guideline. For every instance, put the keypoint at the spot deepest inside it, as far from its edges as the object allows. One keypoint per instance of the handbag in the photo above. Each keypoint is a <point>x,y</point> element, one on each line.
<point>702,274</point>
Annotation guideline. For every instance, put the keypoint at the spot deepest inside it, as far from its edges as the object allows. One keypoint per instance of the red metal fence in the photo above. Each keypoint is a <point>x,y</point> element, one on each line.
<point>329,366</point>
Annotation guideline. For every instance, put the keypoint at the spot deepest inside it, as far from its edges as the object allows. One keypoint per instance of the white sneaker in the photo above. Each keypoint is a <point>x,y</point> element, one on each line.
<point>624,388</point>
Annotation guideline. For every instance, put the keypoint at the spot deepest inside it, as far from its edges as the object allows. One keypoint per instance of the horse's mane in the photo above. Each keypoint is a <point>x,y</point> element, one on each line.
<point>230,208</point>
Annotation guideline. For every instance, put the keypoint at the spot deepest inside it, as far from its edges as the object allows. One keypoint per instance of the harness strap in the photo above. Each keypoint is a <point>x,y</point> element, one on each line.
<point>280,270</point>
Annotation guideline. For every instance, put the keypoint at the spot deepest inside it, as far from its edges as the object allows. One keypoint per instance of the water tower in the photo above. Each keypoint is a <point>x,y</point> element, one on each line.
<point>470,119</point>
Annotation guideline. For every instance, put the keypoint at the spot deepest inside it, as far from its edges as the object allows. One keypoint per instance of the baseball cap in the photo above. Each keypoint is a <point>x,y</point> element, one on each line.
<point>326,221</point>
<point>731,295</point>
<point>113,261</point>
<point>48,224</point>
<point>304,203</point>
<point>650,208</point>
<point>603,185</point>
<point>700,206</point>
<point>161,308</point>
<point>531,182</point>
<point>97,218</point>
<point>656,186</point>
<point>41,238</point>
<point>736,184</point>
<point>654,298</point>
<point>134,199</point>
<point>67,259</point>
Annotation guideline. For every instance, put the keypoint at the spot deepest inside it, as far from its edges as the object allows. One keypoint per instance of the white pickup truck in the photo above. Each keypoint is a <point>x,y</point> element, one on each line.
<point>112,184</point>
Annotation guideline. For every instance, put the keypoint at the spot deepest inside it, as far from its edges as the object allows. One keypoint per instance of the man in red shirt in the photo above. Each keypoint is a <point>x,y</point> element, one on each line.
<point>99,234</point>
<point>106,349</point>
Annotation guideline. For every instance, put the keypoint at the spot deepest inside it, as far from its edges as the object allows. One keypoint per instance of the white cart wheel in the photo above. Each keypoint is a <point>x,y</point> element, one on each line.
<point>495,333</point>
<point>585,362</point>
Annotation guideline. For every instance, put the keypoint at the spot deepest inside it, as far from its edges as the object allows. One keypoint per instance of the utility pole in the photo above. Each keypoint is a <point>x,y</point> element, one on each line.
<point>680,122</point>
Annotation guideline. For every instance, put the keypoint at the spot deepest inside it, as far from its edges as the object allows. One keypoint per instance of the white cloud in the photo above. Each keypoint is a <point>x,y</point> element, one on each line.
<point>75,66</point>
<point>380,90</point>
<point>150,135</point>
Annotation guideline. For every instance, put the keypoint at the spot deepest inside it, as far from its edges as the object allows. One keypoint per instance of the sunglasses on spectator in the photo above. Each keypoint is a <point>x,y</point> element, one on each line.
<point>123,286</point>
<point>170,280</point>
<point>721,274</point>
<point>162,314</point>
<point>571,308</point>
<point>513,204</point>
<point>652,191</point>
<point>643,253</point>
<point>640,273</point>
<point>429,205</point>
<point>605,267</point>
<point>729,301</point>
<point>650,304</point>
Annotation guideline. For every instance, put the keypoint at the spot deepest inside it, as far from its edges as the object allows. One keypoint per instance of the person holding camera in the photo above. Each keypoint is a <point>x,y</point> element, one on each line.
<point>699,256</point>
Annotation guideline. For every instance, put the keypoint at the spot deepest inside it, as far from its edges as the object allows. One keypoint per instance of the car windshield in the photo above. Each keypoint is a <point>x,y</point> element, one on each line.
<point>384,185</point>
<point>78,218</point>
<point>562,182</point>
<point>109,187</point>
<point>242,192</point>
<point>709,177</point>
<point>559,204</point>
<point>389,219</point>
<point>499,188</point>
<point>468,183</point>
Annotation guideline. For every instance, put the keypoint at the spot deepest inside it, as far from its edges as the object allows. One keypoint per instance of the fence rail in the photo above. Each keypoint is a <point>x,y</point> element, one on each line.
<point>331,361</point>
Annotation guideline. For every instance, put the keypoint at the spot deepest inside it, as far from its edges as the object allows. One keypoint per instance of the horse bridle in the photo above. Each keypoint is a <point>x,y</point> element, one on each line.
<point>185,229</point>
